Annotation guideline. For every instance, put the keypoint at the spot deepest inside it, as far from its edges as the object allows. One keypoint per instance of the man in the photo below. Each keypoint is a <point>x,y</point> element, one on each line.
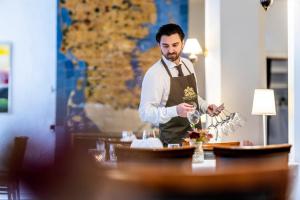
<point>169,89</point>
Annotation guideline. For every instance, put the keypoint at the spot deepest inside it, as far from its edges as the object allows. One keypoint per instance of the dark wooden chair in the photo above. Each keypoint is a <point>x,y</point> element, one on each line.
<point>276,155</point>
<point>168,182</point>
<point>81,143</point>
<point>9,179</point>
<point>155,155</point>
<point>208,148</point>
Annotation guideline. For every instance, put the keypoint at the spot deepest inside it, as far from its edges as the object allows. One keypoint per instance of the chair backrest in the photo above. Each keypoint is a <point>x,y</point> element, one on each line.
<point>258,156</point>
<point>208,148</point>
<point>172,182</point>
<point>18,154</point>
<point>82,143</point>
<point>128,154</point>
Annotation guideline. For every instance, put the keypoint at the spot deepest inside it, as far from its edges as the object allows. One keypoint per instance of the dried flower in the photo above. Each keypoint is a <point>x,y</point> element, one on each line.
<point>200,135</point>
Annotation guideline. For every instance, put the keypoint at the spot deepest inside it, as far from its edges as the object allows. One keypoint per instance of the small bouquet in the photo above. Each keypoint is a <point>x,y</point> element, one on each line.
<point>199,135</point>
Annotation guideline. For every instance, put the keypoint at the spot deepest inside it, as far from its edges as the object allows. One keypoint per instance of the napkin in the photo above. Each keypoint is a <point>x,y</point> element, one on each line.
<point>128,138</point>
<point>147,143</point>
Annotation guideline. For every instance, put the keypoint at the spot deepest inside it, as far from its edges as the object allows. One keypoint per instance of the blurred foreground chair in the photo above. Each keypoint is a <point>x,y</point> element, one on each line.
<point>276,155</point>
<point>166,182</point>
<point>9,179</point>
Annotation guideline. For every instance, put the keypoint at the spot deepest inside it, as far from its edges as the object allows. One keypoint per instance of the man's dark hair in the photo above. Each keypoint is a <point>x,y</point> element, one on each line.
<point>169,29</point>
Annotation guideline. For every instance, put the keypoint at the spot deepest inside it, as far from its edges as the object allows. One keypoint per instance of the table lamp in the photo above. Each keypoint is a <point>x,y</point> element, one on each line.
<point>192,47</point>
<point>264,104</point>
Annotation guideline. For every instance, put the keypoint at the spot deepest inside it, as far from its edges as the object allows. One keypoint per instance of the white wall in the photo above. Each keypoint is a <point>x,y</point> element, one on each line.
<point>294,85</point>
<point>30,25</point>
<point>276,29</point>
<point>235,64</point>
<point>197,30</point>
<point>294,77</point>
<point>243,61</point>
<point>213,45</point>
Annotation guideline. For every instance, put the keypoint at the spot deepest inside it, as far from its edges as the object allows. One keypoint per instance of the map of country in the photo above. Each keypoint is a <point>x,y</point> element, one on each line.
<point>105,47</point>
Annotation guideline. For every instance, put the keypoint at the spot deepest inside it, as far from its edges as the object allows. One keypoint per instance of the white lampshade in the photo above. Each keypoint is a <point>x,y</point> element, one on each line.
<point>192,46</point>
<point>263,102</point>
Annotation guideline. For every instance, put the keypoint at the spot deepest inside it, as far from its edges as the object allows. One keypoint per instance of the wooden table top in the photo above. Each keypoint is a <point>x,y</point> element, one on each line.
<point>210,146</point>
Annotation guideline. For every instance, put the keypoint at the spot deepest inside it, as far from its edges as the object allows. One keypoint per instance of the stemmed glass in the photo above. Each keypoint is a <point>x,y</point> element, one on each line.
<point>213,128</point>
<point>100,154</point>
<point>194,118</point>
<point>229,123</point>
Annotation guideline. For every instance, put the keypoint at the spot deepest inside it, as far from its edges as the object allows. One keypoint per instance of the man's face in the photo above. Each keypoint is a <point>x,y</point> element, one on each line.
<point>171,46</point>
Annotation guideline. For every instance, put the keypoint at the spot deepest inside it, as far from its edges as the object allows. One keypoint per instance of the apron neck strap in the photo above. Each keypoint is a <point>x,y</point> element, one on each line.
<point>167,69</point>
<point>186,67</point>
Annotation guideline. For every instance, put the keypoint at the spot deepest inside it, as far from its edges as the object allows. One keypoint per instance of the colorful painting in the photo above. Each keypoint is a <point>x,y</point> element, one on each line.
<point>5,71</point>
<point>104,49</point>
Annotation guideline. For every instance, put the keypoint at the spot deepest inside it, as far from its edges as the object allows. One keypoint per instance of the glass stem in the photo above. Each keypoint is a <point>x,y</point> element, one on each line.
<point>193,127</point>
<point>217,135</point>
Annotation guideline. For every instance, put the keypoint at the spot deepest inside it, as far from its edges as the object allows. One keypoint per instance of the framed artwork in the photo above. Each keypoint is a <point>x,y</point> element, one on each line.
<point>5,74</point>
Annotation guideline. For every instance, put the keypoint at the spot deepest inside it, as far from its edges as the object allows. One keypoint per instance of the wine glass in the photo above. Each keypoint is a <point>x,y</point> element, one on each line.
<point>112,153</point>
<point>239,119</point>
<point>101,151</point>
<point>193,104</point>
<point>194,118</point>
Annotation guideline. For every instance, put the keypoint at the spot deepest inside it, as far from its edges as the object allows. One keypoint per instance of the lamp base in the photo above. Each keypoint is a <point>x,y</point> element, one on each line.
<point>265,130</point>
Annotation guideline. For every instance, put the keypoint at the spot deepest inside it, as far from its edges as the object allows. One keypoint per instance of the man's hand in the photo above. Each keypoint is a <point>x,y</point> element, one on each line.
<point>213,110</point>
<point>183,109</point>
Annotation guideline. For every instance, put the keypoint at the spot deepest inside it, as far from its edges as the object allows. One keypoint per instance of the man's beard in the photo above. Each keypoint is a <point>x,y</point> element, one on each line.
<point>172,56</point>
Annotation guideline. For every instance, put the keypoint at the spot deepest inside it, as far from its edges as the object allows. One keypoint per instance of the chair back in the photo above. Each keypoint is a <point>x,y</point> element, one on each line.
<point>208,148</point>
<point>82,142</point>
<point>172,182</point>
<point>18,154</point>
<point>258,156</point>
<point>128,154</point>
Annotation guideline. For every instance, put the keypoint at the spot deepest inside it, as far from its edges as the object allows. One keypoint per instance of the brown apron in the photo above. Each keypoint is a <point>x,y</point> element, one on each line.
<point>182,89</point>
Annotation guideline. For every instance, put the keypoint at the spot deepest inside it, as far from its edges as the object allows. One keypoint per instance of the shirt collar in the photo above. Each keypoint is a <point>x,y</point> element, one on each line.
<point>171,64</point>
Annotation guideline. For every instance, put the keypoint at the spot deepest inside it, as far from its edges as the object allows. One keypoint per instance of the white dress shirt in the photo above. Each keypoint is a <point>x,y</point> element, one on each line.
<point>156,89</point>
